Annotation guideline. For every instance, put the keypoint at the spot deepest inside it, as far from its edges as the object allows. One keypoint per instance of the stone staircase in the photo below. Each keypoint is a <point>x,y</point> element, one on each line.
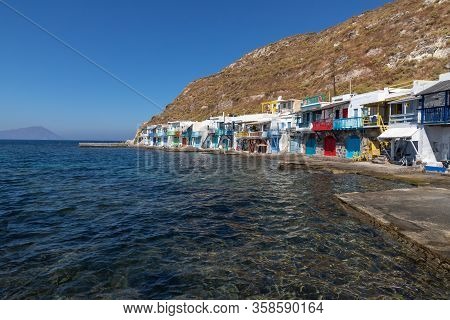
<point>383,159</point>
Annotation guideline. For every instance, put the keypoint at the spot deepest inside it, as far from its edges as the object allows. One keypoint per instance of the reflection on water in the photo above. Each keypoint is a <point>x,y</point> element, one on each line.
<point>118,223</point>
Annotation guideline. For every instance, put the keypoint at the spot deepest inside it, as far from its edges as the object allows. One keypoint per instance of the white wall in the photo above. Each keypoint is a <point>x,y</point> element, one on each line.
<point>444,76</point>
<point>434,144</point>
<point>420,85</point>
<point>358,101</point>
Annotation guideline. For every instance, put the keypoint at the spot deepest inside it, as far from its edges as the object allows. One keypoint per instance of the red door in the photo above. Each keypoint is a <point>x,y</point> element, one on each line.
<point>345,113</point>
<point>329,146</point>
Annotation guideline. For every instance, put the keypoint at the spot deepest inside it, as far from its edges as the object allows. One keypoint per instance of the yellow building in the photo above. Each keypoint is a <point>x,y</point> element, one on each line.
<point>281,106</point>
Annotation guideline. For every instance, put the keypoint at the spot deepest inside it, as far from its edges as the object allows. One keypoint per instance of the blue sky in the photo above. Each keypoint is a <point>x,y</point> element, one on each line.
<point>156,46</point>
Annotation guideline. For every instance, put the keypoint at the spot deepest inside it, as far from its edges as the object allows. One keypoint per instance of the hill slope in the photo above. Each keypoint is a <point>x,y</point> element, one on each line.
<point>30,133</point>
<point>401,41</point>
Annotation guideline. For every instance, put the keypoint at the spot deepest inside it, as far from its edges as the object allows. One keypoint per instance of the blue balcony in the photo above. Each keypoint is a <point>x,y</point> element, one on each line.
<point>274,133</point>
<point>229,132</point>
<point>436,115</point>
<point>223,132</point>
<point>347,123</point>
<point>196,134</point>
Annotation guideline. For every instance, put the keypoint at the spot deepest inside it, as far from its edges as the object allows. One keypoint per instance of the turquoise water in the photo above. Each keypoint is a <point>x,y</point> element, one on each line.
<point>127,224</point>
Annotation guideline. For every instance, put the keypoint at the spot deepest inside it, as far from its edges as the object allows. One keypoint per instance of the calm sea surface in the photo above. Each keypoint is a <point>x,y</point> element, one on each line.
<point>121,223</point>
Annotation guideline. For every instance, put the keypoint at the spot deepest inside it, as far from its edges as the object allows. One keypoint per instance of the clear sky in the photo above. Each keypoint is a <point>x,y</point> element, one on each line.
<point>156,46</point>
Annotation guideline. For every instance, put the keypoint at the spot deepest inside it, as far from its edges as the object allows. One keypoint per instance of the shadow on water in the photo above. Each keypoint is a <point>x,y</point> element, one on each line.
<point>125,224</point>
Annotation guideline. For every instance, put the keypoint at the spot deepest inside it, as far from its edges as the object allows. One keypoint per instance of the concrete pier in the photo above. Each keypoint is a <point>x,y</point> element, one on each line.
<point>418,217</point>
<point>102,145</point>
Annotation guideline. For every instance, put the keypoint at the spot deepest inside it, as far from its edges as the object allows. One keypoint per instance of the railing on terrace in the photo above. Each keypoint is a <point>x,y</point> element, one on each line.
<point>403,118</point>
<point>347,123</point>
<point>170,132</point>
<point>304,125</point>
<point>373,121</point>
<point>161,134</point>
<point>221,132</point>
<point>436,115</point>
<point>196,134</point>
<point>323,125</point>
<point>315,99</point>
<point>274,133</point>
<point>255,134</point>
<point>241,134</point>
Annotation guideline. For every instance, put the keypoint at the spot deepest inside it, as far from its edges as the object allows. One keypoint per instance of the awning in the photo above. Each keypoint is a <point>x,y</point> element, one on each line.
<point>406,99</point>
<point>257,122</point>
<point>441,86</point>
<point>392,133</point>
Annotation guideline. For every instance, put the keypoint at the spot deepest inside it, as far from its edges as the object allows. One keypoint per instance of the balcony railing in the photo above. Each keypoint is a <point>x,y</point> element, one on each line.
<point>174,133</point>
<point>436,115</point>
<point>221,132</point>
<point>255,134</point>
<point>161,134</point>
<point>274,133</point>
<point>374,121</point>
<point>402,118</point>
<point>304,125</point>
<point>347,123</point>
<point>196,134</point>
<point>323,125</point>
<point>241,134</point>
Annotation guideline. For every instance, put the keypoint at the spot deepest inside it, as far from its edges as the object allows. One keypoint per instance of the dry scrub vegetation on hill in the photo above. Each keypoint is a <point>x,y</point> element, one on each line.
<point>401,41</point>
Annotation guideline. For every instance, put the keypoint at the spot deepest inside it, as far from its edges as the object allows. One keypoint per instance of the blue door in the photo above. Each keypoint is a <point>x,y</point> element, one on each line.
<point>294,147</point>
<point>353,146</point>
<point>225,143</point>
<point>311,146</point>
<point>275,144</point>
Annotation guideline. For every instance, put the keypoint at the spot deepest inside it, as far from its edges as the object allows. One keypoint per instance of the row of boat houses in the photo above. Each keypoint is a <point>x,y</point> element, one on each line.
<point>406,125</point>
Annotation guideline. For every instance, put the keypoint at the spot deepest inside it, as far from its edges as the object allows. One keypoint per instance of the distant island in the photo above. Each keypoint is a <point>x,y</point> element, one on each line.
<point>29,133</point>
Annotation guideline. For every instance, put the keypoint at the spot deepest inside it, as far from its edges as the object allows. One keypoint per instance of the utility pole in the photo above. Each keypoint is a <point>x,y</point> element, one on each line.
<point>334,84</point>
<point>333,74</point>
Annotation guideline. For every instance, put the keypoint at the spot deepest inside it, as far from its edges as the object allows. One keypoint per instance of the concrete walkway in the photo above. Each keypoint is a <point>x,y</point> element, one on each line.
<point>387,171</point>
<point>418,217</point>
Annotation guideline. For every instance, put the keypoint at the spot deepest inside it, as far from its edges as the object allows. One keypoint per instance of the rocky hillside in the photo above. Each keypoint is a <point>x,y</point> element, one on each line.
<point>401,41</point>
